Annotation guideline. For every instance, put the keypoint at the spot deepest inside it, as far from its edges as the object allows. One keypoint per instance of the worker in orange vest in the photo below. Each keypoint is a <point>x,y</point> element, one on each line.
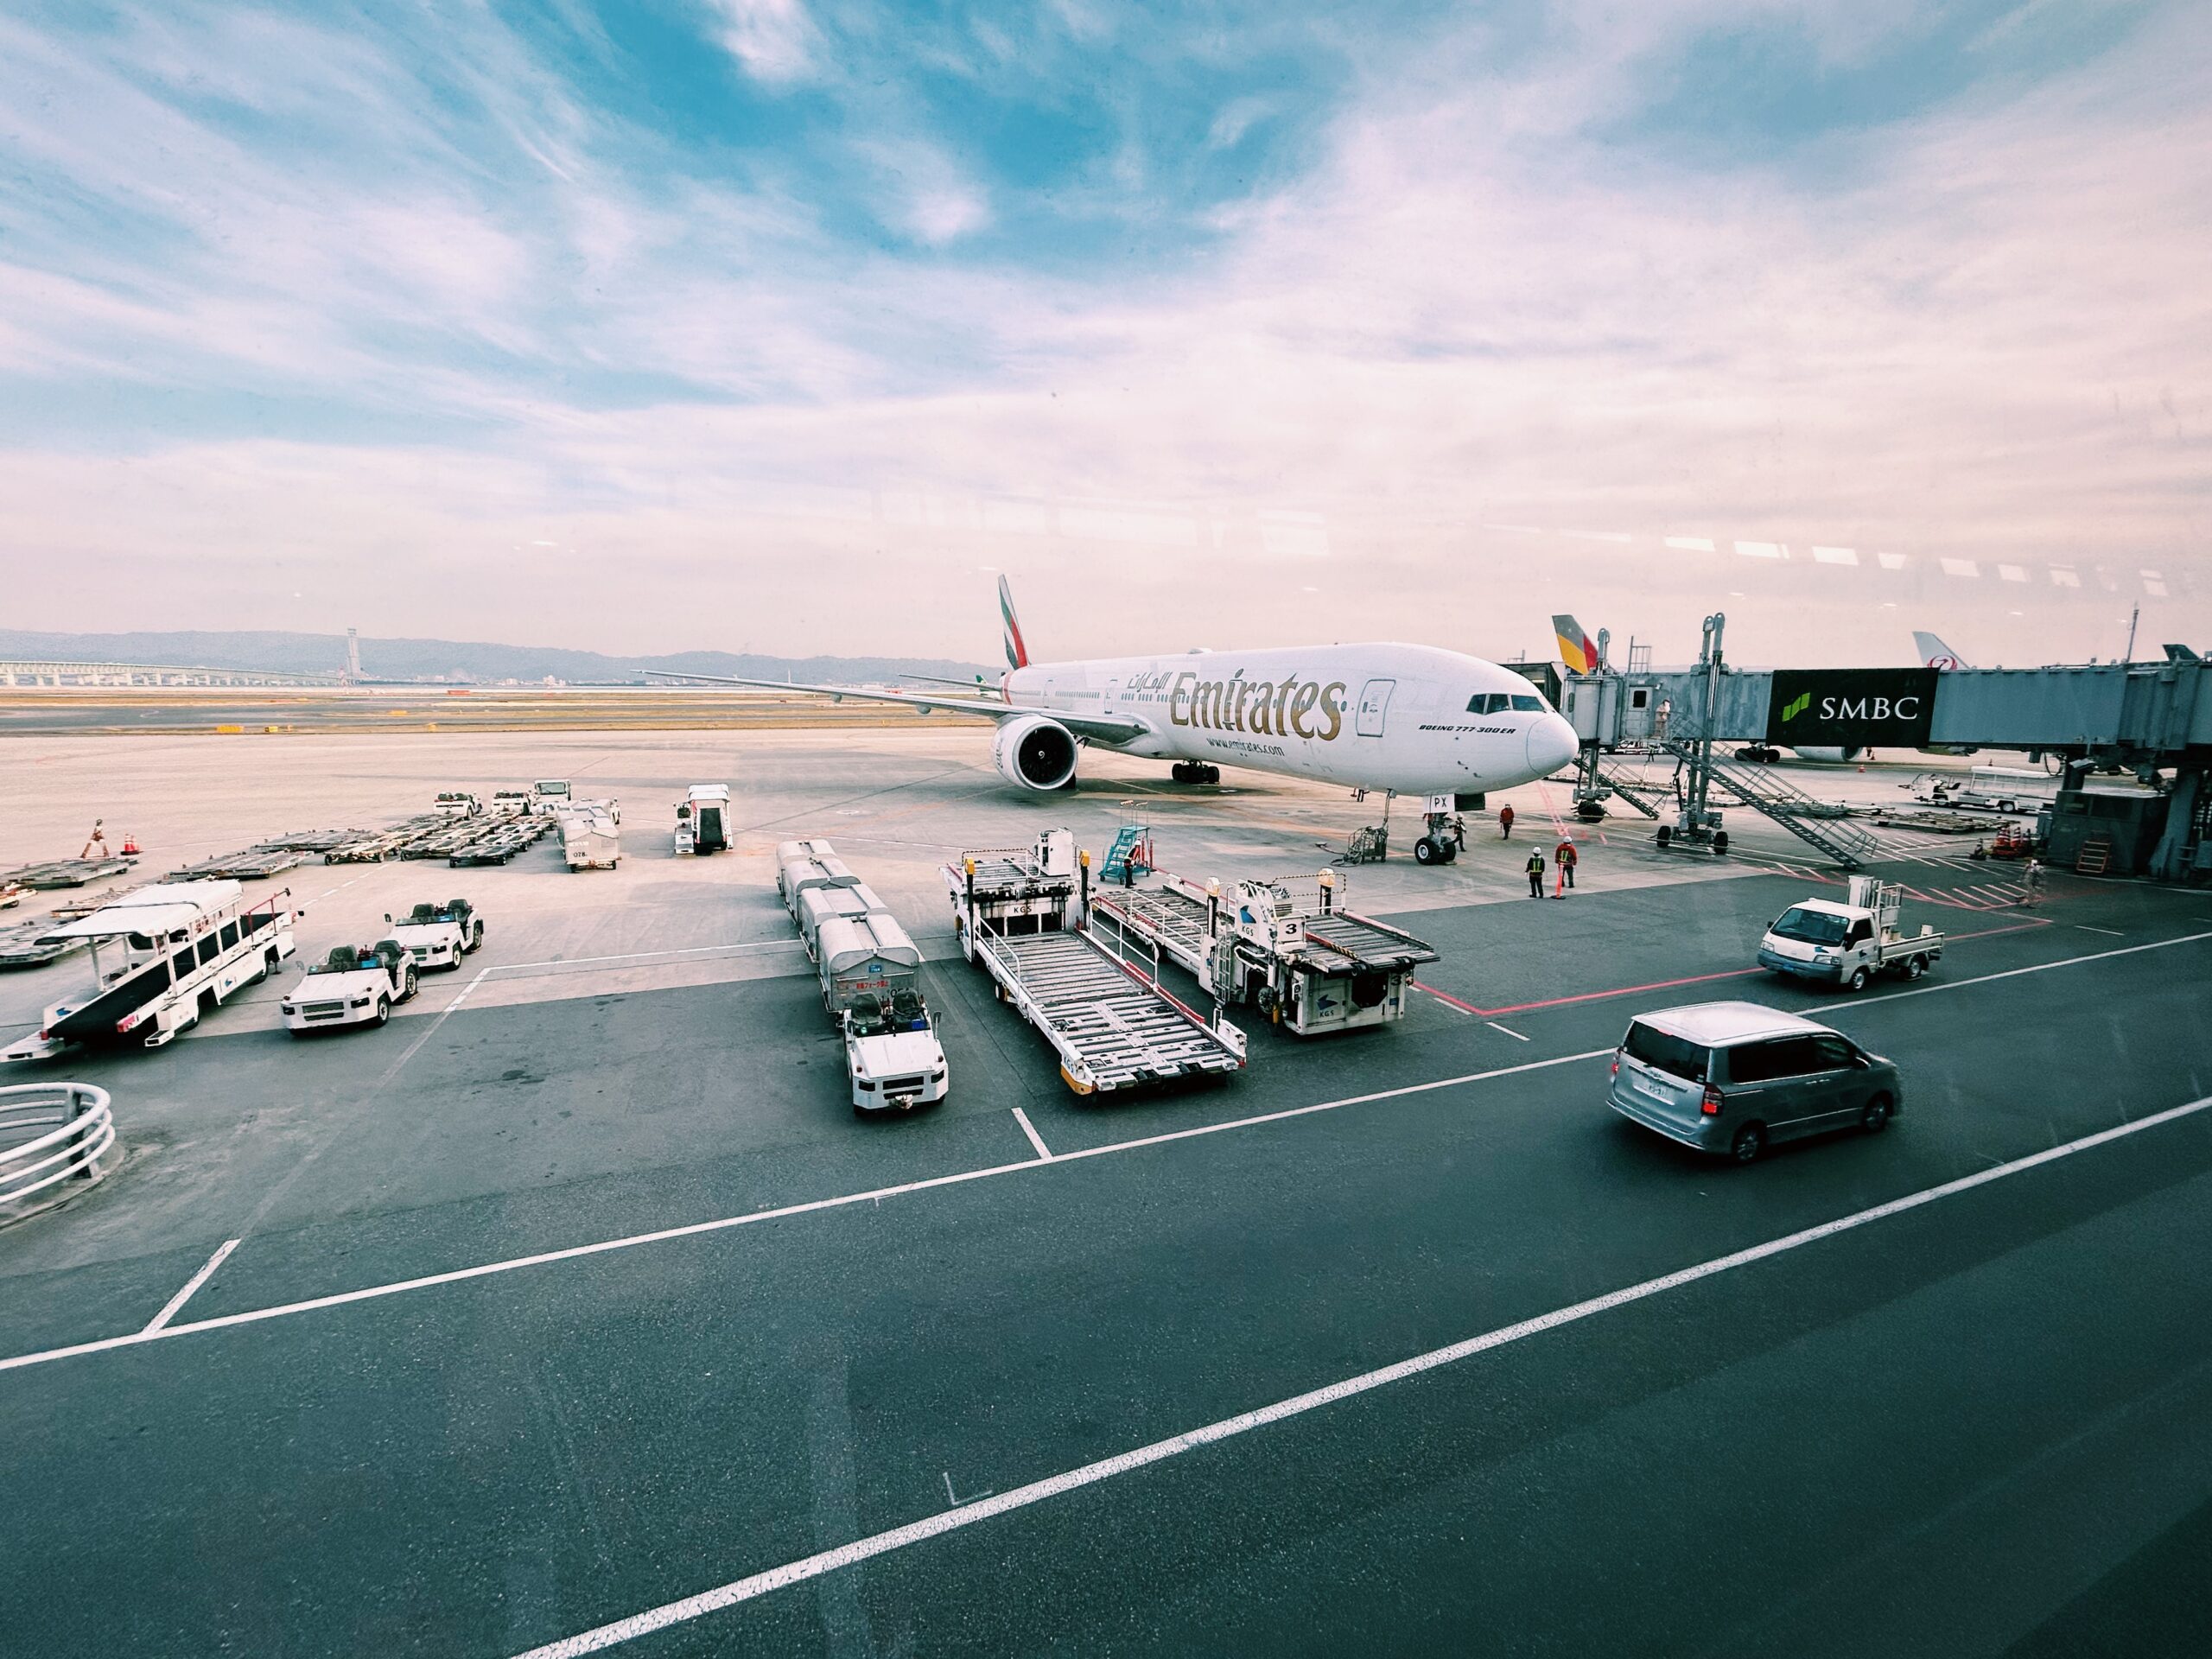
<point>1567,858</point>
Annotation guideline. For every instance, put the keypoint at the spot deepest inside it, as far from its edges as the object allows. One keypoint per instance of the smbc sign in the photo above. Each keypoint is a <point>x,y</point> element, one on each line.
<point>1823,707</point>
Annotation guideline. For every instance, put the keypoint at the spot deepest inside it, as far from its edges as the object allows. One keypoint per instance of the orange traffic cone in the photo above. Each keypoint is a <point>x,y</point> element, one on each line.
<point>129,845</point>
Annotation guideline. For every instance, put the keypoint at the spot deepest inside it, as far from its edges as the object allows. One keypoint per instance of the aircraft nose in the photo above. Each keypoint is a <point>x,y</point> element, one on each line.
<point>1552,744</point>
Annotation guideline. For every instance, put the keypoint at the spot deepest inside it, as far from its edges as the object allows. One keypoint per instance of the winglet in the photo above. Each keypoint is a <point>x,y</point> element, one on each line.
<point>1017,654</point>
<point>1577,651</point>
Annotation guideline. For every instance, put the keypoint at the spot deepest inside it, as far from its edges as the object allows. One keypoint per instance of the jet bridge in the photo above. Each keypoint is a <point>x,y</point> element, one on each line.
<point>2150,718</point>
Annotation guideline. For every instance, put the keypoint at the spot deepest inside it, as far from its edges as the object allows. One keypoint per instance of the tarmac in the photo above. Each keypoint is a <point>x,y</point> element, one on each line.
<point>576,1309</point>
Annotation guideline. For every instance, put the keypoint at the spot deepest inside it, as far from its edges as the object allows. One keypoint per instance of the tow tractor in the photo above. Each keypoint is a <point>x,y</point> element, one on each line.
<point>438,935</point>
<point>186,947</point>
<point>355,985</point>
<point>1848,943</point>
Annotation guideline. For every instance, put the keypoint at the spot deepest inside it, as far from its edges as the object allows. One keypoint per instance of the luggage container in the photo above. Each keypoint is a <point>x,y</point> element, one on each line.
<point>797,851</point>
<point>819,905</point>
<point>865,956</point>
<point>591,835</point>
<point>803,876</point>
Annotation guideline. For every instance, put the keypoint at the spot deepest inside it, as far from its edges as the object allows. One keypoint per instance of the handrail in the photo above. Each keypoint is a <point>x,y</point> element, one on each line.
<point>86,1130</point>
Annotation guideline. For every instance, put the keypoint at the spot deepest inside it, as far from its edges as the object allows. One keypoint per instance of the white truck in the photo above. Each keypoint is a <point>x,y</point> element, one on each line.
<point>892,1053</point>
<point>355,985</point>
<point>438,935</point>
<point>702,820</point>
<point>1848,943</point>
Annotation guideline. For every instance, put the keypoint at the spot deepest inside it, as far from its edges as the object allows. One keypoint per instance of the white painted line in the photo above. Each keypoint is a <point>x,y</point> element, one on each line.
<point>723,1224</point>
<point>192,1284</point>
<point>2113,932</point>
<point>1035,1139</point>
<point>2010,973</point>
<point>1091,1474</point>
<point>1508,1030</point>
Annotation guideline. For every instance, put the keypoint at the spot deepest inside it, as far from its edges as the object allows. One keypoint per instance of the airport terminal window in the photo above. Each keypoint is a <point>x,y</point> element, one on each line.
<point>1677,1057</point>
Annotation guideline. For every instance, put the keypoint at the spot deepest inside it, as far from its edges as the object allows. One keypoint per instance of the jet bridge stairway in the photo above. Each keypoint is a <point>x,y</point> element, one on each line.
<point>1821,824</point>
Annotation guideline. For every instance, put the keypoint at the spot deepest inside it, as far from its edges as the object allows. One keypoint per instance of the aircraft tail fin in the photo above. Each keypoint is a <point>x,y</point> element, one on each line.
<point>1017,653</point>
<point>1934,653</point>
<point>1577,650</point>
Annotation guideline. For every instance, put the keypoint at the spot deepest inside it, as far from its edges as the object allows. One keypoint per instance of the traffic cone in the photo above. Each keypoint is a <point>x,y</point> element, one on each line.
<point>129,845</point>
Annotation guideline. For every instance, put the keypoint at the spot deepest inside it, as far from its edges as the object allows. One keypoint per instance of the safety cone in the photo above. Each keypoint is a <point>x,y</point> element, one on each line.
<point>129,845</point>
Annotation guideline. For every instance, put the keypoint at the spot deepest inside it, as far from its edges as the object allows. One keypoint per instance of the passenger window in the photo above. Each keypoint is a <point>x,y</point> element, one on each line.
<point>210,947</point>
<point>1529,705</point>
<point>1832,1053</point>
<point>1861,931</point>
<point>1778,1058</point>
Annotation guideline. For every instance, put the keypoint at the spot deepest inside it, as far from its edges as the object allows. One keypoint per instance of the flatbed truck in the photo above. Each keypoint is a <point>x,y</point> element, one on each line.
<point>1848,943</point>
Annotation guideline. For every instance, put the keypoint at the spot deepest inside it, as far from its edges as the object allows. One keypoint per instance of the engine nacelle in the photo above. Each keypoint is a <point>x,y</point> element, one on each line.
<point>1034,751</point>
<point>1833,757</point>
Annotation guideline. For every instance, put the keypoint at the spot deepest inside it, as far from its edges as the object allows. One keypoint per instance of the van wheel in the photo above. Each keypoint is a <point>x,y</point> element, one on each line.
<point>1876,1117</point>
<point>1916,968</point>
<point>1857,980</point>
<point>1749,1142</point>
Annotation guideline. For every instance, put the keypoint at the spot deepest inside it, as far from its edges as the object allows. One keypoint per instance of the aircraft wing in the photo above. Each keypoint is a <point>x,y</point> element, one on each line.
<point>1099,728</point>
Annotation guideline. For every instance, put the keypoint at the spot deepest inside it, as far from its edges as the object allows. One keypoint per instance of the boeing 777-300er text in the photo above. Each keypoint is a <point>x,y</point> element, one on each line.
<point>1409,719</point>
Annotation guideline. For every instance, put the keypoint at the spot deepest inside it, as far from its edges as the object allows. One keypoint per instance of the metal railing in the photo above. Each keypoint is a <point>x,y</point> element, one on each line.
<point>50,1132</point>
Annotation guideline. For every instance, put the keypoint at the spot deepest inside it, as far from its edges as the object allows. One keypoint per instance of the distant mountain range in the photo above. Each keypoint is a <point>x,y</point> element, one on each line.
<point>447,660</point>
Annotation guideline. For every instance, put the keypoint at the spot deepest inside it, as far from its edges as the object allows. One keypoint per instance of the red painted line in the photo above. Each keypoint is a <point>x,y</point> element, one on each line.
<point>1446,996</point>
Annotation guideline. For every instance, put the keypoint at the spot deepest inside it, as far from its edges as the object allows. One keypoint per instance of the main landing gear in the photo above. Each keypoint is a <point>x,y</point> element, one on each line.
<point>1194,772</point>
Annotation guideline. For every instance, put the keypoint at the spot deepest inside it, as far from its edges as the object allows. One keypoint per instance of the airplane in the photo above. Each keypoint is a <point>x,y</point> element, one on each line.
<point>1934,653</point>
<point>1404,720</point>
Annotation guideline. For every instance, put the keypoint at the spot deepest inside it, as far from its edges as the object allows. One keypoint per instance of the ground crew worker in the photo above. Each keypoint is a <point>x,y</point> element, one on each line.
<point>1535,872</point>
<point>1567,858</point>
<point>1505,822</point>
<point>1459,832</point>
<point>2034,873</point>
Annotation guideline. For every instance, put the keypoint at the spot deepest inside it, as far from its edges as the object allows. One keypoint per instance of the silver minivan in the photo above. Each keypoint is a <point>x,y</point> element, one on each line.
<point>1735,1077</point>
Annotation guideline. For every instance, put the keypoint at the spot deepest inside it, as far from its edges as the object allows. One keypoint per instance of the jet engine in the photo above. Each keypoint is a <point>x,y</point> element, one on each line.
<point>1834,757</point>
<point>1034,751</point>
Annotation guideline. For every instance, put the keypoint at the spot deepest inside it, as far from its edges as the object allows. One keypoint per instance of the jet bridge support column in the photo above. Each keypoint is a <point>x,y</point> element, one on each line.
<point>1695,821</point>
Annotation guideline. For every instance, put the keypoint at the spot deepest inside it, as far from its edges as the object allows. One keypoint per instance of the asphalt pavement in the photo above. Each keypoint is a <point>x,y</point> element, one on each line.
<point>1975,1424</point>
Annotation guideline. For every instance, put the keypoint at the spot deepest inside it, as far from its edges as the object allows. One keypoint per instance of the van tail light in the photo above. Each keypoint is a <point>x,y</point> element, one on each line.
<point>1617,1066</point>
<point>1710,1104</point>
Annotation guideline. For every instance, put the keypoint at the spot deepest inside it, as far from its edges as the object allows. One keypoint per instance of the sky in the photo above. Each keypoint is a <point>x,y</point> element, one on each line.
<point>788,325</point>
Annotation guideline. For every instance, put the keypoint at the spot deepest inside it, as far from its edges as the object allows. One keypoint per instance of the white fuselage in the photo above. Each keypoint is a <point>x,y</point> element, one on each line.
<point>1412,719</point>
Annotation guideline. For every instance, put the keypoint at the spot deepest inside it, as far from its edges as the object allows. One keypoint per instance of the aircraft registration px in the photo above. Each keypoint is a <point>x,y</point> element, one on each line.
<point>1405,719</point>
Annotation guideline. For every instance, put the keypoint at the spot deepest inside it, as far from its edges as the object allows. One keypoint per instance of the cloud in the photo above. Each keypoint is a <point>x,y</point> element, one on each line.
<point>1979,332</point>
<point>774,40</point>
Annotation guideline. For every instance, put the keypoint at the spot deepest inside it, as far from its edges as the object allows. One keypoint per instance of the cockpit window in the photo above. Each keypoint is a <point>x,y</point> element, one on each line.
<point>1531,705</point>
<point>1488,703</point>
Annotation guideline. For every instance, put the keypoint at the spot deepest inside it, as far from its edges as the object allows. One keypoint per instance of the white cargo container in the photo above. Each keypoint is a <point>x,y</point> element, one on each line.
<point>819,905</point>
<point>591,835</point>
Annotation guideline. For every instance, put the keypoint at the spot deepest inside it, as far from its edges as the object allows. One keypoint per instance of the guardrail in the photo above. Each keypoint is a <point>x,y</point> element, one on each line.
<point>50,1132</point>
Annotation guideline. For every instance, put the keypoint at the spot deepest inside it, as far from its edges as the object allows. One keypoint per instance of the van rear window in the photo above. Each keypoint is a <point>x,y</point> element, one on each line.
<point>1676,1056</point>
